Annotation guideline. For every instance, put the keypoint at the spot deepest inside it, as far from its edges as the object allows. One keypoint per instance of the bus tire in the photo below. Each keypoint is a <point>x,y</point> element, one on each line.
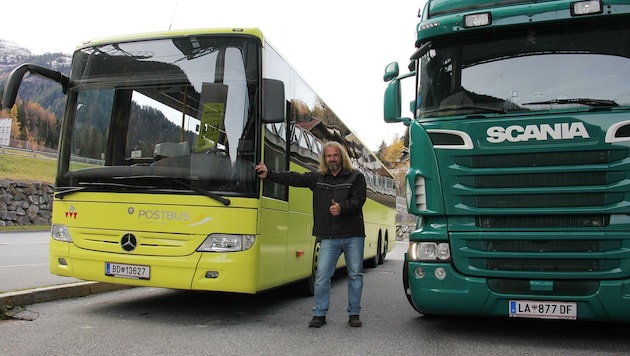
<point>307,286</point>
<point>373,262</point>
<point>381,260</point>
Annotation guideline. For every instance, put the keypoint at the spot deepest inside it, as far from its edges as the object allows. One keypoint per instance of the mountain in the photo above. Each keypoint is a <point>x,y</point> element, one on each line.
<point>13,54</point>
<point>34,88</point>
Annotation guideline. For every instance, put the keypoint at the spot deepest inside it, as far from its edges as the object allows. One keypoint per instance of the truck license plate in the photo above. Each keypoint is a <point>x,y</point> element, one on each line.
<point>542,309</point>
<point>127,271</point>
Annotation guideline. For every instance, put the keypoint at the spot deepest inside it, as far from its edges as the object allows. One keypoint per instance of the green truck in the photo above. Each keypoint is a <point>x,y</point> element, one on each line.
<point>519,150</point>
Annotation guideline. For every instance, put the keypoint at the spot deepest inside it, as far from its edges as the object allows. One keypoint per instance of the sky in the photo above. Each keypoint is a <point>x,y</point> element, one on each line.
<point>339,47</point>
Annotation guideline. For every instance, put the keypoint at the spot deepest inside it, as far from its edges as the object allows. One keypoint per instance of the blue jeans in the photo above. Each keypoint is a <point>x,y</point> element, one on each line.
<point>329,252</point>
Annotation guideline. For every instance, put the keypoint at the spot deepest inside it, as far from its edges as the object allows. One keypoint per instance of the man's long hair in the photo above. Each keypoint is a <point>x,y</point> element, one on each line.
<point>345,159</point>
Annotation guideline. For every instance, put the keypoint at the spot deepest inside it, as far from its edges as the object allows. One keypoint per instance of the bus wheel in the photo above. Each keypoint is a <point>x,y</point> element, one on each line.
<point>405,280</point>
<point>307,286</point>
<point>381,260</point>
<point>374,261</point>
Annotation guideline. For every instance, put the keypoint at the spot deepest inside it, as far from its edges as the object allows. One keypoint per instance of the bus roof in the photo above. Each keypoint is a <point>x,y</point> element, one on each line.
<point>253,31</point>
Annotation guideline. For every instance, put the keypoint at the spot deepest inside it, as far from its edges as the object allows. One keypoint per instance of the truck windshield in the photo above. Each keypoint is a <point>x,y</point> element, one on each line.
<point>534,69</point>
<point>163,115</point>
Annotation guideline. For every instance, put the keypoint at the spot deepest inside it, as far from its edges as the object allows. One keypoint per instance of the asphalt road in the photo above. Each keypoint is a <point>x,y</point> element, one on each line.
<point>24,261</point>
<point>154,321</point>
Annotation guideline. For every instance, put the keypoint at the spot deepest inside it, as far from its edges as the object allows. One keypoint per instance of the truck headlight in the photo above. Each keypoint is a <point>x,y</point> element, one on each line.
<point>226,243</point>
<point>429,251</point>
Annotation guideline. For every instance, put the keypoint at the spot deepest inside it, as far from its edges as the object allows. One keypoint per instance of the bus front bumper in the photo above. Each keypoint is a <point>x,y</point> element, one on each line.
<point>222,272</point>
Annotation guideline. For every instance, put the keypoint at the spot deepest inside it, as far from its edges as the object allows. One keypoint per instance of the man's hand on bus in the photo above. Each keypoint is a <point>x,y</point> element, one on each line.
<point>261,169</point>
<point>335,208</point>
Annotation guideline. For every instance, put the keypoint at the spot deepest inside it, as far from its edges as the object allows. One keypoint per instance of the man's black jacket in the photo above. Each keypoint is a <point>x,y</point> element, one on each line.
<point>347,188</point>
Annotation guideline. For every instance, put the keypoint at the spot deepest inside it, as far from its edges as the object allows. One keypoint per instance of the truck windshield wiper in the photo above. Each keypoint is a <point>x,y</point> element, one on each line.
<point>583,101</point>
<point>477,108</point>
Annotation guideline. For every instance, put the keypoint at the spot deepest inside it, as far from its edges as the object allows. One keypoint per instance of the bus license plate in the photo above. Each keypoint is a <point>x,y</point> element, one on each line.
<point>542,309</point>
<point>127,271</point>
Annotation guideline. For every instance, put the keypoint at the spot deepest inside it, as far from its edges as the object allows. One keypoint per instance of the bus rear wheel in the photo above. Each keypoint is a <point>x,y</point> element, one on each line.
<point>381,260</point>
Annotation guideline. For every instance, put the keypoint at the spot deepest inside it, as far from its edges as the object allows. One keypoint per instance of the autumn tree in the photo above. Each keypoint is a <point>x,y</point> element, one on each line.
<point>381,148</point>
<point>392,154</point>
<point>33,124</point>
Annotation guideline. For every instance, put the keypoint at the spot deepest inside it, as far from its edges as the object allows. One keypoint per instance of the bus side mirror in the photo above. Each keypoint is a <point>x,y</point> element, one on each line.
<point>273,104</point>
<point>14,80</point>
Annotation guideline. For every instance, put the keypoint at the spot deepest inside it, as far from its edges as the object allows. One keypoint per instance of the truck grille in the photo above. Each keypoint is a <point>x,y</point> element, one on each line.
<point>544,216</point>
<point>571,180</point>
<point>541,265</point>
<point>541,255</point>
<point>570,158</point>
<point>541,221</point>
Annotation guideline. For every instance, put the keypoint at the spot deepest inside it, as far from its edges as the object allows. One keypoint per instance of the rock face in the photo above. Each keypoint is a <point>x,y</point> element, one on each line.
<point>25,203</point>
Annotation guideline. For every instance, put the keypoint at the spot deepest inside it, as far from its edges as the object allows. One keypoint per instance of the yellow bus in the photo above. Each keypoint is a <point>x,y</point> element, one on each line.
<point>156,183</point>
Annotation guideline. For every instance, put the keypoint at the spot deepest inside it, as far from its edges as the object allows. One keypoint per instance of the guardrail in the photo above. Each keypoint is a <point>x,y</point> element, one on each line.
<point>17,151</point>
<point>27,152</point>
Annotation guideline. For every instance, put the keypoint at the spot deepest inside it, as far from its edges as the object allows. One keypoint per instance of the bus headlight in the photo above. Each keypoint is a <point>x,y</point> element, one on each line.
<point>226,243</point>
<point>59,232</point>
<point>429,251</point>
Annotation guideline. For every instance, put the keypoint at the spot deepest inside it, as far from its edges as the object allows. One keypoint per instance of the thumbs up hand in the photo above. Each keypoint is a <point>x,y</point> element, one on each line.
<point>335,208</point>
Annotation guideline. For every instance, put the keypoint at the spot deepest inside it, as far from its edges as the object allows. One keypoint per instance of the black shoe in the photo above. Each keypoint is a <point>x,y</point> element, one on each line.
<point>354,321</point>
<point>317,322</point>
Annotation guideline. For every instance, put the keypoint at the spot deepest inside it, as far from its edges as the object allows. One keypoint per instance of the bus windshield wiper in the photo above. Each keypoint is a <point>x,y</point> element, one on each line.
<point>99,186</point>
<point>210,195</point>
<point>63,193</point>
<point>583,101</point>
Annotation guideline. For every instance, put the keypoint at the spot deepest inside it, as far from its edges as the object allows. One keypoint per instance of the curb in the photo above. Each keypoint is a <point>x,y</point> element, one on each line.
<point>52,293</point>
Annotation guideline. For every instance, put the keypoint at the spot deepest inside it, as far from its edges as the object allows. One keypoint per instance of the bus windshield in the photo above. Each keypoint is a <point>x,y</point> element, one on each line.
<point>526,69</point>
<point>163,114</point>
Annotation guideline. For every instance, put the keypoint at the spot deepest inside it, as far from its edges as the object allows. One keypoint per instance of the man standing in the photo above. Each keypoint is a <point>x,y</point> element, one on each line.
<point>339,192</point>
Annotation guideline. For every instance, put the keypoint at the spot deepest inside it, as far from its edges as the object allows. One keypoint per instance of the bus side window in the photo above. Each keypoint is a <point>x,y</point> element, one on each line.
<point>275,159</point>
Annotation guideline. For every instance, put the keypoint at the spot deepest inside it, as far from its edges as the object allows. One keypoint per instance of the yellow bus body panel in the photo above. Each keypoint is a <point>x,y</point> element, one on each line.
<point>168,234</point>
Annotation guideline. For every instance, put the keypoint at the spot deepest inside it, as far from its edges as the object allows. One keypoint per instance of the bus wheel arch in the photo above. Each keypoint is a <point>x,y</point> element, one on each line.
<point>307,286</point>
<point>374,261</point>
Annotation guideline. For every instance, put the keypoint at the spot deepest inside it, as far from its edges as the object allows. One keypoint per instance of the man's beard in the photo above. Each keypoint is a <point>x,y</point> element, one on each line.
<point>334,166</point>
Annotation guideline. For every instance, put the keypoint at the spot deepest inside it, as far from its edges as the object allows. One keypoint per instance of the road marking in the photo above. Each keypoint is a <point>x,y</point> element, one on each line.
<point>29,265</point>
